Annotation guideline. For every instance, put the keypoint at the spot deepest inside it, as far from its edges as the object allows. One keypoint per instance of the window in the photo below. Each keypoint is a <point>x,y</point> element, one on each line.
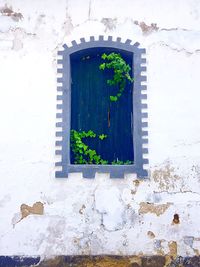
<point>116,127</point>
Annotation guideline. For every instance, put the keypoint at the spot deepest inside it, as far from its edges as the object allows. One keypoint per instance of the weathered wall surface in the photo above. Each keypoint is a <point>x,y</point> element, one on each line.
<point>41,215</point>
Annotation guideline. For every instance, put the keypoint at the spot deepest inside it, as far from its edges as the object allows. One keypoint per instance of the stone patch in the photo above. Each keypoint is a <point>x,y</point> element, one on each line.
<point>152,208</point>
<point>37,208</point>
<point>165,177</point>
<point>173,249</point>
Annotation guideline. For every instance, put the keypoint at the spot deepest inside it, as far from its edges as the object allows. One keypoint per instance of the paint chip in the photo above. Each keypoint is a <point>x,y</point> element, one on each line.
<point>37,208</point>
<point>146,207</point>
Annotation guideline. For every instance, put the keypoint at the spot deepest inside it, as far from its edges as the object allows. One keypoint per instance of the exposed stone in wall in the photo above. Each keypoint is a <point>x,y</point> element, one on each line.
<point>37,208</point>
<point>166,177</point>
<point>172,249</point>
<point>152,208</point>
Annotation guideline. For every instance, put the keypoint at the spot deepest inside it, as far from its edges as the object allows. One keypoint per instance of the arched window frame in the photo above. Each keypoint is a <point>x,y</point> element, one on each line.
<point>140,136</point>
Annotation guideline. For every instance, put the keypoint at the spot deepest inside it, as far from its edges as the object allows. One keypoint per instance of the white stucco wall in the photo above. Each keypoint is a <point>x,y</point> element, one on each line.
<point>100,216</point>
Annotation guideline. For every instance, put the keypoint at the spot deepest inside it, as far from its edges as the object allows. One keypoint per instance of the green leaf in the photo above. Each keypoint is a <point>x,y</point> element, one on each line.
<point>121,72</point>
<point>104,56</point>
<point>102,66</point>
<point>81,151</point>
<point>102,136</point>
<point>113,98</point>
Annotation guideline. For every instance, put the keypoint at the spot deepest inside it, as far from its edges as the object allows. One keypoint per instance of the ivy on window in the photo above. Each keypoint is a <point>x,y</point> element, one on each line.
<point>82,152</point>
<point>121,72</point>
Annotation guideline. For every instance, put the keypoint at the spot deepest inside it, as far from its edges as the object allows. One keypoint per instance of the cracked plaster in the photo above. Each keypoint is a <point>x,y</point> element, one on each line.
<point>100,216</point>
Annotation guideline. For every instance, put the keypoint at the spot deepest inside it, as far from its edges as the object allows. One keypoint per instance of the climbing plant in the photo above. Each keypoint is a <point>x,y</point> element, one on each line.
<point>121,72</point>
<point>82,153</point>
<point>120,162</point>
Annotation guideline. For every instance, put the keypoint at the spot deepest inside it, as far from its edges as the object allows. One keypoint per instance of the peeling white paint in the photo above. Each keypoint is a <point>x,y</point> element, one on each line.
<point>108,203</point>
<point>99,216</point>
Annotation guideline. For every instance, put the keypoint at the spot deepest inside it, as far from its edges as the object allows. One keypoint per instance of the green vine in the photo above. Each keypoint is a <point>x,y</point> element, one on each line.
<point>120,162</point>
<point>82,153</point>
<point>121,72</point>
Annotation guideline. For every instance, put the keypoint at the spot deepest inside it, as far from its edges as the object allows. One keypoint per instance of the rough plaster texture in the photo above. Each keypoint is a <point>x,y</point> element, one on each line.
<point>100,216</point>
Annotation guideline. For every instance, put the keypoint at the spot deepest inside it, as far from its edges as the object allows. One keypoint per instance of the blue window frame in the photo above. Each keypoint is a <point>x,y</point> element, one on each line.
<point>69,112</point>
